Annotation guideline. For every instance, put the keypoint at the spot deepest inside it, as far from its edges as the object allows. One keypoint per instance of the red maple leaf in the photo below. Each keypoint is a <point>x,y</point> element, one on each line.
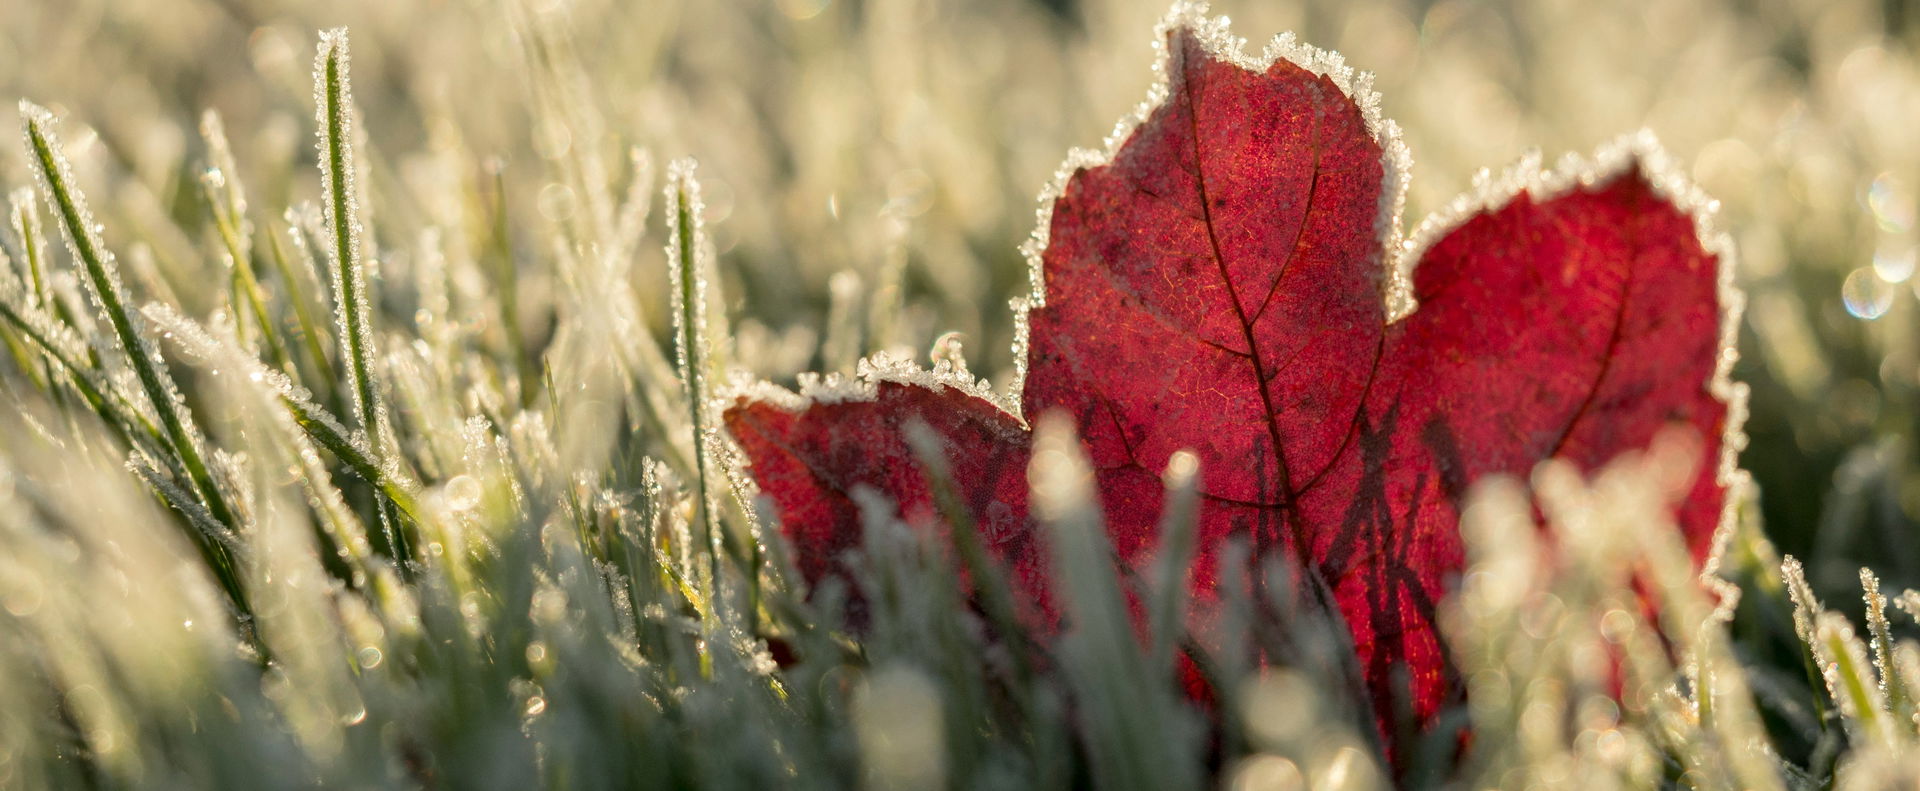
<point>1231,279</point>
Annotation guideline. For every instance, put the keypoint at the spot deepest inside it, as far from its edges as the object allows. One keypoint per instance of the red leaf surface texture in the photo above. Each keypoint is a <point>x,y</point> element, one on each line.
<point>1231,278</point>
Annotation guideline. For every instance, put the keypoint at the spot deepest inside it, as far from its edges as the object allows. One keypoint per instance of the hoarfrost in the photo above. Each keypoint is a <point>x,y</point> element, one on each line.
<point>1881,632</point>
<point>687,266</point>
<point>222,165</point>
<point>81,232</point>
<point>144,466</point>
<point>297,401</point>
<point>333,115</point>
<point>632,224</point>
<point>25,218</point>
<point>1805,606</point>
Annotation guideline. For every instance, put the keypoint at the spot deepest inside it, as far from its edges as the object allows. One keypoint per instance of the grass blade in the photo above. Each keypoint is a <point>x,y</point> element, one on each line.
<point>1179,529</point>
<point>220,184</point>
<point>1130,720</point>
<point>1843,662</point>
<point>333,99</point>
<point>686,242</point>
<point>103,280</point>
<point>1893,687</point>
<point>988,580</point>
<point>26,226</point>
<point>317,358</point>
<point>68,354</point>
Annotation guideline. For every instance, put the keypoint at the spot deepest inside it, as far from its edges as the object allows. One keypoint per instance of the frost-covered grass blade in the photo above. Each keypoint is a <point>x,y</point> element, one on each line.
<point>353,317</point>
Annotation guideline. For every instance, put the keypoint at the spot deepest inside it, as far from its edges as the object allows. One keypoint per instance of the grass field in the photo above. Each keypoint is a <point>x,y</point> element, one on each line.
<point>276,315</point>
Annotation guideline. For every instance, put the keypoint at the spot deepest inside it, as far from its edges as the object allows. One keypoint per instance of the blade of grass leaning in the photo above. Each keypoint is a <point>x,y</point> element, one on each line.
<point>1130,721</point>
<point>333,98</point>
<point>1806,610</point>
<point>308,260</point>
<point>1843,663</point>
<point>148,447</point>
<point>25,218</point>
<point>22,358</point>
<point>31,254</point>
<point>290,429</point>
<point>62,350</point>
<point>364,461</point>
<point>220,184</point>
<point>103,279</point>
<point>37,373</point>
<point>685,250</point>
<point>986,578</point>
<point>310,332</point>
<point>1179,527</point>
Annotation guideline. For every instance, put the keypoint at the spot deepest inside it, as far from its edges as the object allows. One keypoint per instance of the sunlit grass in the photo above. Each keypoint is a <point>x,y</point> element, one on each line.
<point>388,461</point>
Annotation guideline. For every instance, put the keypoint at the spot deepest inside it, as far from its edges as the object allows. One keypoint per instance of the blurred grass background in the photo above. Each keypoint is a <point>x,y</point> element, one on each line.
<point>870,166</point>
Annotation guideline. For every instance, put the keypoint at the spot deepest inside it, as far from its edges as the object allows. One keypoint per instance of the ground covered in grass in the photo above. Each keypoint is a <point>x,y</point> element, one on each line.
<point>359,432</point>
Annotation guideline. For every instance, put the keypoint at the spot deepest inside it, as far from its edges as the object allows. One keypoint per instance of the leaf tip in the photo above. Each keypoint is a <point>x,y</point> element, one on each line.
<point>333,39</point>
<point>34,114</point>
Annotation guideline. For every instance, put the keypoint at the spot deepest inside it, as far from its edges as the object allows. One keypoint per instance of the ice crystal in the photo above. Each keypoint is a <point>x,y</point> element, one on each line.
<point>353,320</point>
<point>82,234</point>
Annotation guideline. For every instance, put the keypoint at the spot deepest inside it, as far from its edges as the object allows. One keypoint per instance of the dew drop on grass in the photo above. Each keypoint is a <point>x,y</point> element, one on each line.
<point>462,493</point>
<point>556,202</point>
<point>1866,294</point>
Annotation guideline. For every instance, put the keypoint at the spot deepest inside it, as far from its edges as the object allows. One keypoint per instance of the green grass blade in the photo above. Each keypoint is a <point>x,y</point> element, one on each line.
<point>333,99</point>
<point>25,218</point>
<point>1893,686</point>
<point>1129,718</point>
<point>220,184</point>
<point>300,420</point>
<point>988,580</point>
<point>312,336</point>
<point>685,250</point>
<point>327,431</point>
<point>507,281</point>
<point>1806,609</point>
<point>103,279</point>
<point>1179,529</point>
<point>1849,677</point>
<point>56,342</point>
